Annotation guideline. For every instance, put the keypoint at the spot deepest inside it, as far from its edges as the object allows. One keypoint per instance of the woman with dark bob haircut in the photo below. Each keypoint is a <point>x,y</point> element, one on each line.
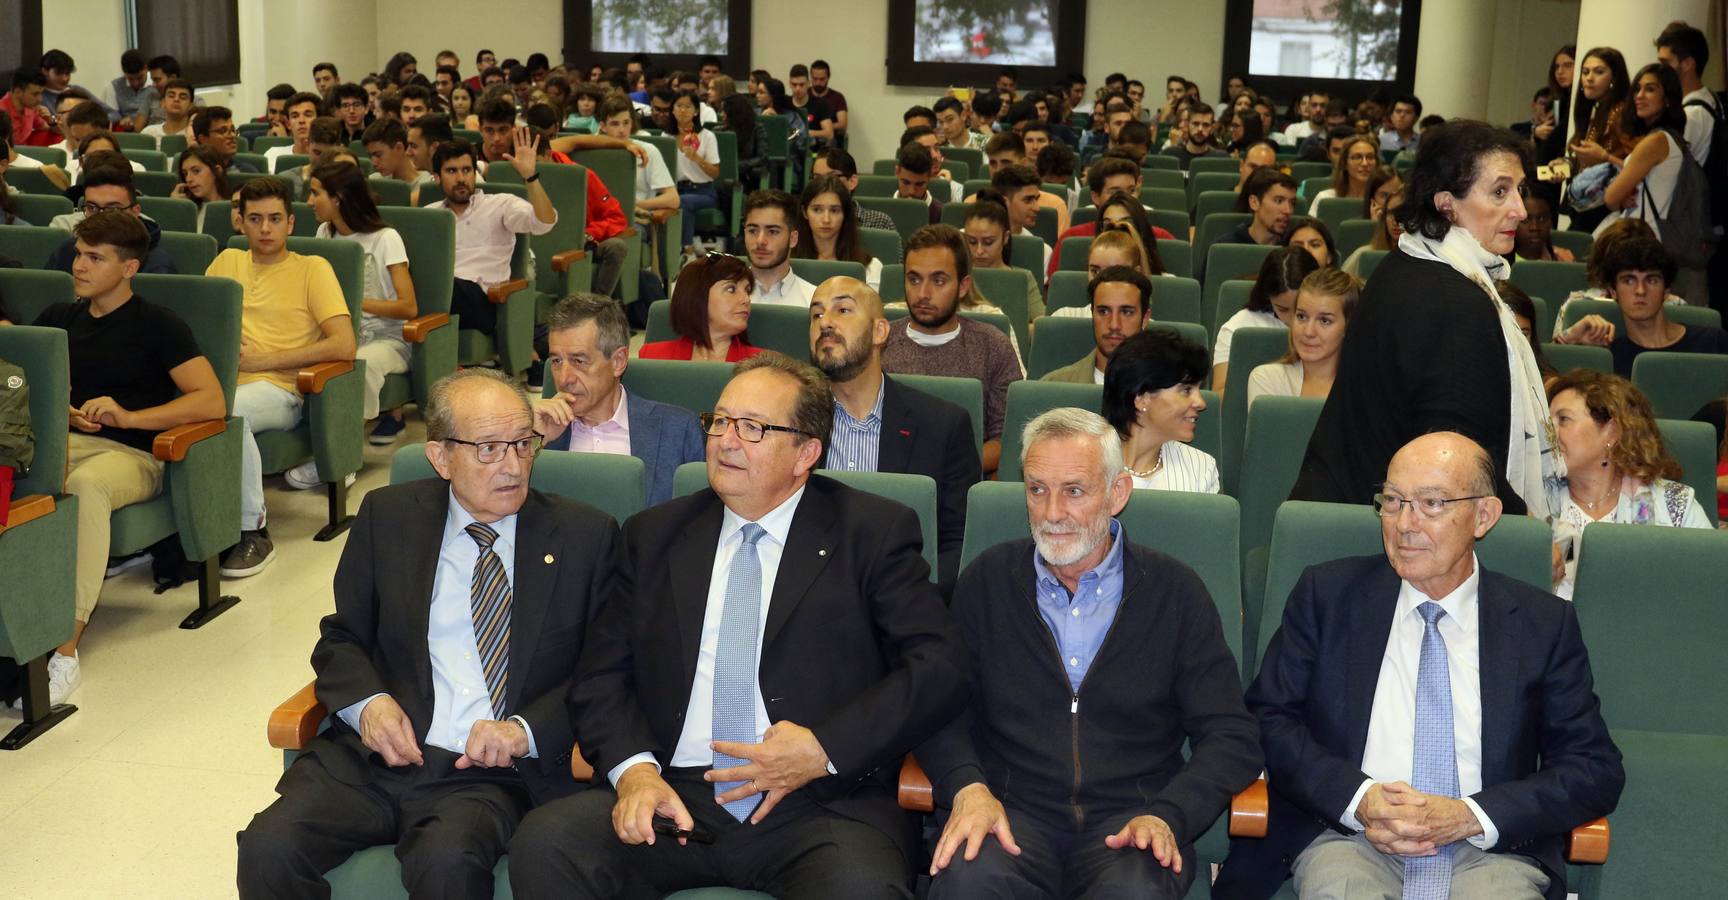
<point>1433,346</point>
<point>1152,397</point>
<point>710,311</point>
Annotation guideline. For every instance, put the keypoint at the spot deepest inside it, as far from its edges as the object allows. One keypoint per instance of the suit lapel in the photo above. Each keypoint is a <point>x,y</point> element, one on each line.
<point>644,430</point>
<point>1370,625</point>
<point>895,450</point>
<point>536,569</point>
<point>424,533</point>
<point>693,551</point>
<point>1498,651</point>
<point>809,547</point>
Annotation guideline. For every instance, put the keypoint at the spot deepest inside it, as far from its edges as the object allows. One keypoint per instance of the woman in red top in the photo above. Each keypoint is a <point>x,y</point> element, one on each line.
<point>710,311</point>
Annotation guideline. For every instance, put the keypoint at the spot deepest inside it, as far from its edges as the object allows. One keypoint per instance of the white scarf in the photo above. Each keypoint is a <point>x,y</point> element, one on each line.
<point>1533,460</point>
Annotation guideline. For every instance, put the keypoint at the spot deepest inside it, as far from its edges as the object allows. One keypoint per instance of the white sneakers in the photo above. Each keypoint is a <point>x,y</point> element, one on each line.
<point>304,477</point>
<point>63,677</point>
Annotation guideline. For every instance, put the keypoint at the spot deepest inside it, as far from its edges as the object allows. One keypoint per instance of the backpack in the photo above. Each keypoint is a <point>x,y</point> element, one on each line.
<point>1685,228</point>
<point>17,440</point>
<point>1716,165</point>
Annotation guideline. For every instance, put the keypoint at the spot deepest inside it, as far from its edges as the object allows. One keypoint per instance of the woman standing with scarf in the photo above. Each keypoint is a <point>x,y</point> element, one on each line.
<point>1432,346</point>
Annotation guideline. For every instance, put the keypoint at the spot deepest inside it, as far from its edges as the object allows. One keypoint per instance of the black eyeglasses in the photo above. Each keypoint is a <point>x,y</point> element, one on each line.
<point>715,425</point>
<point>488,452</point>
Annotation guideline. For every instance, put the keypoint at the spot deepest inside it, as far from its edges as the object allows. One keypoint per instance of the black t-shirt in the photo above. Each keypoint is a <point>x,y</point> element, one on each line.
<point>126,355</point>
<point>1184,155</point>
<point>1696,339</point>
<point>815,112</point>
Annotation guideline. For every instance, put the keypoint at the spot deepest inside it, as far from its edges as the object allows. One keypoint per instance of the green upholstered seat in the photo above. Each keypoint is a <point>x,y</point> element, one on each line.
<point>1566,357</point>
<point>610,482</point>
<point>1224,263</point>
<point>908,215</point>
<point>1679,384</point>
<point>172,213</point>
<point>40,209</point>
<point>817,271</point>
<point>696,386</point>
<point>429,236</point>
<point>30,244</point>
<point>1552,281</point>
<point>192,252</point>
<point>1333,211</point>
<point>1249,348</point>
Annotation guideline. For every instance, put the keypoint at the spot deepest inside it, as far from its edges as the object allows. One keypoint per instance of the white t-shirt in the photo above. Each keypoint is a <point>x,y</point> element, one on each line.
<point>707,147</point>
<point>653,178</point>
<point>383,248</point>
<point>160,131</point>
<point>1184,468</point>
<point>1244,318</point>
<point>1275,379</point>
<point>271,154</point>
<point>1700,123</point>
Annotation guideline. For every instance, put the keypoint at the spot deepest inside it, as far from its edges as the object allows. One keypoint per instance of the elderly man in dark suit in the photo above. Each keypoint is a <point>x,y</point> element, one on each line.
<point>589,342</point>
<point>775,649</point>
<point>461,605</point>
<point>881,425</point>
<point>1430,728</point>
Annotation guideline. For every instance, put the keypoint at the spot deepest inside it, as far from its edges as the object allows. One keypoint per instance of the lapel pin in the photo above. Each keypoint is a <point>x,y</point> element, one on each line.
<point>548,559</point>
<point>821,553</point>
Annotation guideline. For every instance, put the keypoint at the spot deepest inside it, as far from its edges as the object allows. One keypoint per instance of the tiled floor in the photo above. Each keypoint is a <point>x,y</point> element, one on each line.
<point>139,794</point>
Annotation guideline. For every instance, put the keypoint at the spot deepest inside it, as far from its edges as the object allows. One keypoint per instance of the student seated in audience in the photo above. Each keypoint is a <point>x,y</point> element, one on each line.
<point>424,139</point>
<point>1352,168</point>
<point>1324,304</point>
<point>1269,196</point>
<point>298,115</point>
<point>698,165</point>
<point>386,143</point>
<point>1464,786</point>
<point>1640,269</point>
<point>1601,284</point>
<point>773,227</point>
<point>1383,185</point>
<point>913,168</point>
<point>1024,817</point>
<point>926,137</point>
<point>1006,150</point>
<point>837,162</point>
<point>1111,175</point>
<point>78,121</point>
<point>1388,228</point>
<point>1536,233</point>
<point>345,211</point>
<point>710,312</point>
<point>869,660</point>
<point>1198,138</point>
<point>1119,300</point>
<point>1057,164</point>
<point>416,102</point>
<point>96,142</point>
<point>323,141</point>
<point>655,189</point>
<point>1135,140</point>
<point>589,348</point>
<point>583,114</point>
<point>987,237</point>
<point>1035,134</point>
<point>1023,193</point>
<point>828,228</point>
<point>276,110</point>
<point>108,186</point>
<point>985,108</point>
<point>1152,397</point>
<point>213,127</point>
<point>952,127</point>
<point>294,316</point>
<point>135,371</point>
<point>936,340</point>
<point>1312,235</point>
<point>1271,303</point>
<point>176,111</point>
<point>1617,468</point>
<point>23,104</point>
<point>880,425</point>
<point>128,97</point>
<point>1400,131</point>
<point>203,172</point>
<point>487,224</point>
<point>464,100</point>
<point>604,223</point>
<point>444,735</point>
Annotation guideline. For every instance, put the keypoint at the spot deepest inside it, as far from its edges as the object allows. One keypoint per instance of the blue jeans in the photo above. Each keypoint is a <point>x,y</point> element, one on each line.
<point>693,196</point>
<point>260,406</point>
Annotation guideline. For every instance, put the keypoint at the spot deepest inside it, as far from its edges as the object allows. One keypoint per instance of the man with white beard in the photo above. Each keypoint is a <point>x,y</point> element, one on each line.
<point>1095,660</point>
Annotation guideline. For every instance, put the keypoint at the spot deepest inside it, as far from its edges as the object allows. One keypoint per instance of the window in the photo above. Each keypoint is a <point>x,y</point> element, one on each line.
<point>20,36</point>
<point>1346,47</point>
<point>204,35</point>
<point>936,43</point>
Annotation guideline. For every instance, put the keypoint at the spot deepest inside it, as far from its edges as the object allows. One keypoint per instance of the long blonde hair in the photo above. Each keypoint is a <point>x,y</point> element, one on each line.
<point>1121,242</point>
<point>1326,283</point>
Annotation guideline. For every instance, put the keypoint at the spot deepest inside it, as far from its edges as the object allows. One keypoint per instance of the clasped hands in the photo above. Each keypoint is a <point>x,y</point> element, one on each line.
<point>977,813</point>
<point>788,757</point>
<point>386,731</point>
<point>1402,821</point>
<point>97,412</point>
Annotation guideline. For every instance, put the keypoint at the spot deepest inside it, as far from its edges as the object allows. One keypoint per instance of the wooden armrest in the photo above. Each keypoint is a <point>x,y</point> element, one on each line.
<point>561,262</point>
<point>916,794</point>
<point>1588,843</point>
<point>626,233</point>
<point>311,380</point>
<point>173,445</point>
<point>1249,810</point>
<point>28,509</point>
<point>500,293</point>
<point>660,216</point>
<point>296,721</point>
<point>579,768</point>
<point>418,329</point>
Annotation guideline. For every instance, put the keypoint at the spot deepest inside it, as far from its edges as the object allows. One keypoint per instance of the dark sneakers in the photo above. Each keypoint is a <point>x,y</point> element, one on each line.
<point>250,556</point>
<point>389,427</point>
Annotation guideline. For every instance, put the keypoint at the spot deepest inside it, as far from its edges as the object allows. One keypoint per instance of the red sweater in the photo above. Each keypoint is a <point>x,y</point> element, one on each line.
<point>684,348</point>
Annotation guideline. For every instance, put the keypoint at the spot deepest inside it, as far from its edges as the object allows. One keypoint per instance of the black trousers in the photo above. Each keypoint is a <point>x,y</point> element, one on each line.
<point>468,300</point>
<point>567,848</point>
<point>449,826</point>
<point>1058,862</point>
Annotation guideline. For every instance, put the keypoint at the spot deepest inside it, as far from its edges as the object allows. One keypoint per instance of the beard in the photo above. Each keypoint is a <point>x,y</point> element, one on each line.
<point>845,366</point>
<point>937,319</point>
<point>1068,548</point>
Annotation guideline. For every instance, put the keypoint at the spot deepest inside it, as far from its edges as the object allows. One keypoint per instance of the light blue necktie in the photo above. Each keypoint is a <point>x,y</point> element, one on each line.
<point>735,664</point>
<point>1435,769</point>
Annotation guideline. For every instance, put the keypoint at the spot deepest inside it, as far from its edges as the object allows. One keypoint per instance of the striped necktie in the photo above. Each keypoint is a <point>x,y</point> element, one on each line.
<point>735,663</point>
<point>491,607</point>
<point>1435,768</point>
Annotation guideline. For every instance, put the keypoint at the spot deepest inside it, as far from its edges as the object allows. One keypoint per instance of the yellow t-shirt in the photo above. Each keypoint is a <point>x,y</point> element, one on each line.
<point>284,306</point>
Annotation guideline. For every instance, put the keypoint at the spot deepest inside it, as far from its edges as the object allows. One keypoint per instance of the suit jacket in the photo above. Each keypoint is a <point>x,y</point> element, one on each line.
<point>926,435</point>
<point>857,646</point>
<point>1077,372</point>
<point>1548,762</point>
<point>663,436</point>
<point>375,641</point>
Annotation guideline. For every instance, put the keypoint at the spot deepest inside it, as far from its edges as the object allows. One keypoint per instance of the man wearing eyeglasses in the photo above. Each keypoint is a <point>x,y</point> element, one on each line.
<point>108,186</point>
<point>461,604</point>
<point>1430,728</point>
<point>749,694</point>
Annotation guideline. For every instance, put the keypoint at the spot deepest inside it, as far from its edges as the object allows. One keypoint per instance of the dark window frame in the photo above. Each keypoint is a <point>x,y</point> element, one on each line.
<point>160,32</point>
<point>903,69</point>
<point>28,36</point>
<point>1238,34</point>
<point>579,35</point>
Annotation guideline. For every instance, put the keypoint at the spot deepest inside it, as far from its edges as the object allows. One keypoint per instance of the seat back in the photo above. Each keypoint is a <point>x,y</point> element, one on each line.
<point>1370,261</point>
<point>1058,341</point>
<point>908,215</point>
<point>1006,290</point>
<point>1226,262</point>
<point>1679,384</point>
<point>29,291</point>
<point>1694,446</point>
<point>1029,399</point>
<point>1566,357</point>
<point>1351,234</point>
<point>1232,299</point>
<point>1210,182</point>
<point>1067,288</point>
<point>1216,203</point>
<point>1249,347</point>
<point>1169,179</point>
<point>192,252</point>
<point>1213,164</point>
<point>40,209</point>
<point>288,161</point>
<point>1273,444</point>
<point>1649,602</point>
<point>1333,211</point>
<point>1306,188</point>
<point>391,191</point>
<point>155,161</point>
<point>1552,281</point>
<point>610,482</point>
<point>966,393</point>
<point>1160,162</point>
<point>1178,257</point>
<point>46,155</point>
<point>1690,316</point>
<point>1209,230</point>
<point>1579,242</point>
<point>1302,171</point>
<point>1071,256</point>
<point>817,271</point>
<point>1164,198</point>
<point>695,386</point>
<point>567,186</point>
<point>172,213</point>
<point>43,355</point>
<point>429,236</point>
<point>877,185</point>
<point>31,245</point>
<point>783,329</point>
<point>882,243</point>
<point>211,308</point>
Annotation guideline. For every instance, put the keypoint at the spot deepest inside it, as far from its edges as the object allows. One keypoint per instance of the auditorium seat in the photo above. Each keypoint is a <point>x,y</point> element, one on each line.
<point>1694,446</point>
<point>1273,445</point>
<point>172,214</point>
<point>610,482</point>
<point>1566,357</point>
<point>1684,314</point>
<point>1552,281</point>
<point>429,237</point>
<point>693,385</point>
<point>1679,384</point>
<point>1249,348</point>
<point>1227,262</point>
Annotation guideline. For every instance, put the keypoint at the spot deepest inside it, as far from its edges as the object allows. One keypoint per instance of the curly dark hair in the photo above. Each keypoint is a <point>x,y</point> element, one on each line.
<point>1448,160</point>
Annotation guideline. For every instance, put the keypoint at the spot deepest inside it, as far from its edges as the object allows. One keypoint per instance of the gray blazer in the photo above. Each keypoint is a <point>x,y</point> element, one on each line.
<point>663,436</point>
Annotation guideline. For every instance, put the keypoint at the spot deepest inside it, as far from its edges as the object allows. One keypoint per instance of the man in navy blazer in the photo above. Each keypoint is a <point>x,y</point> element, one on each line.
<point>1351,740</point>
<point>589,342</point>
<point>881,425</point>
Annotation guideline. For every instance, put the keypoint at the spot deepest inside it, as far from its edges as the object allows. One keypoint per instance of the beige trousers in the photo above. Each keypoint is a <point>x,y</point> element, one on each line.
<point>104,475</point>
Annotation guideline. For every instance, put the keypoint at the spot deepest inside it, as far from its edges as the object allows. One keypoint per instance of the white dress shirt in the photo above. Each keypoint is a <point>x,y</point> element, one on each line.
<point>460,696</point>
<point>1390,753</point>
<point>788,291</point>
<point>486,235</point>
<point>693,750</point>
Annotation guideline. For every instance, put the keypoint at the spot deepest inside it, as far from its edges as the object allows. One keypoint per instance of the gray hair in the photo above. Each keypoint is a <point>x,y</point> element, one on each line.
<point>1070,421</point>
<point>440,407</point>
<point>604,312</point>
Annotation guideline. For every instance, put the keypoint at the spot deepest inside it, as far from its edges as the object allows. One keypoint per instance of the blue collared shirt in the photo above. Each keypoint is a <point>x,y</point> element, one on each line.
<point>1079,622</point>
<point>855,444</point>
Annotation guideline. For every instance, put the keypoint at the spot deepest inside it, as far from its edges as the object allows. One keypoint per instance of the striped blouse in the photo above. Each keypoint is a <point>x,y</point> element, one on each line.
<point>1184,469</point>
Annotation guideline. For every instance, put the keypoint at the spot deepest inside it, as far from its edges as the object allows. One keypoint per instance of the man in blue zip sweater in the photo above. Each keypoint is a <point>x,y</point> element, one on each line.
<point>1097,660</point>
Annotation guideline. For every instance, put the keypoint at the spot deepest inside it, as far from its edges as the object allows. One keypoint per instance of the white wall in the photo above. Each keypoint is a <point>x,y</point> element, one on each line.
<point>92,31</point>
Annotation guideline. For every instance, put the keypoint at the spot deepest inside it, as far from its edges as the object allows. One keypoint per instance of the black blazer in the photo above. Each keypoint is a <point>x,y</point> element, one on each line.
<point>1424,353</point>
<point>375,641</point>
<point>926,435</point>
<point>1548,762</point>
<point>858,647</point>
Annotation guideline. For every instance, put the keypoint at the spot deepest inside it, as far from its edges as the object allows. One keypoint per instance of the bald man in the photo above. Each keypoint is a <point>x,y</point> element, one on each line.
<point>1429,727</point>
<point>883,426</point>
